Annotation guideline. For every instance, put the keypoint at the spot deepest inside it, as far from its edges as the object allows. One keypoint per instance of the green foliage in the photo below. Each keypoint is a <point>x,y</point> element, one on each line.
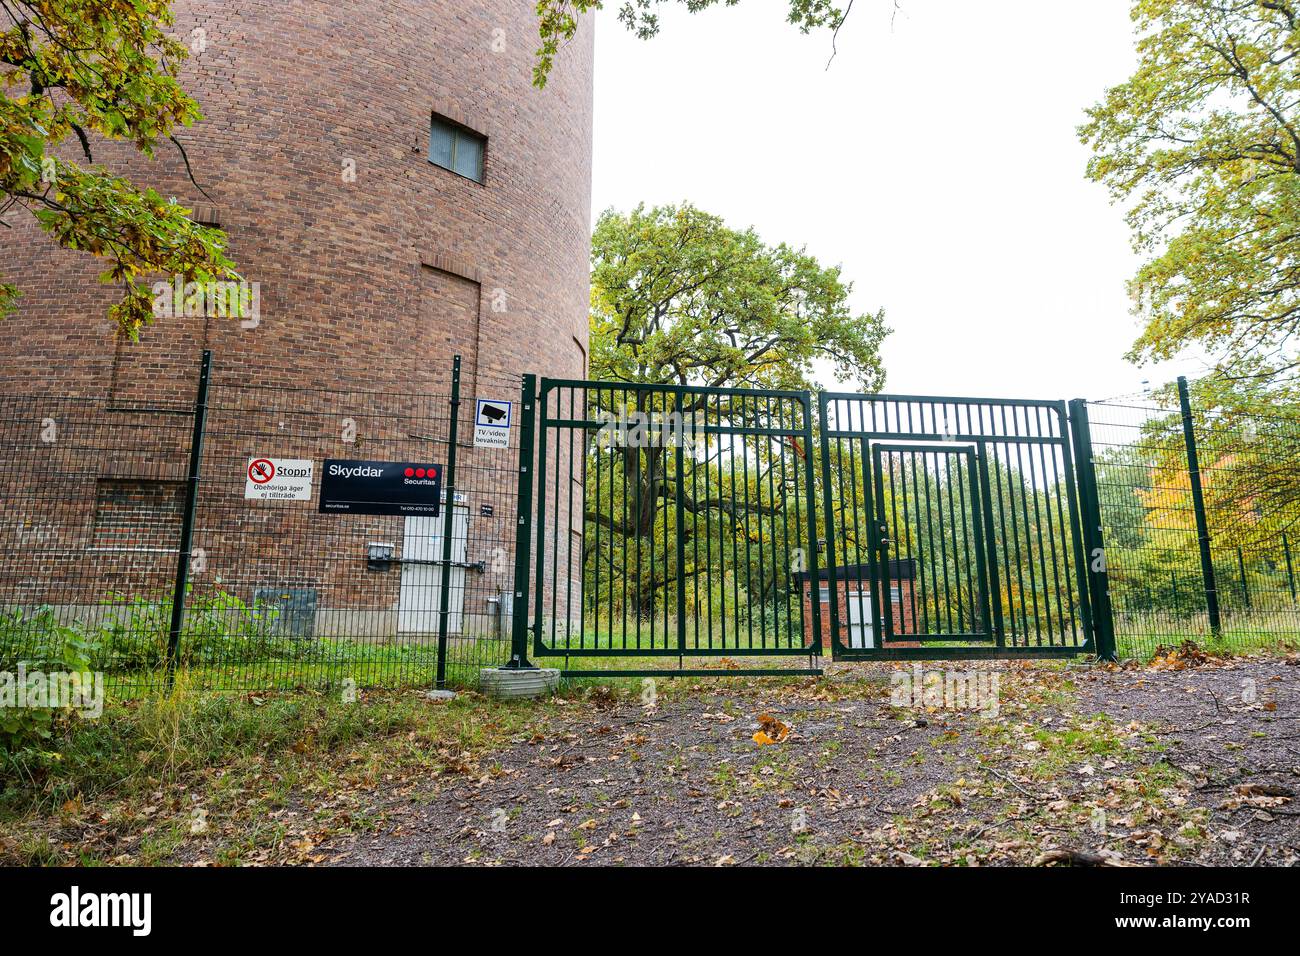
<point>219,628</point>
<point>224,640</point>
<point>1248,446</point>
<point>106,67</point>
<point>1202,144</point>
<point>133,635</point>
<point>1033,559</point>
<point>131,632</point>
<point>1248,443</point>
<point>27,637</point>
<point>740,520</point>
<point>679,298</point>
<point>53,648</point>
<point>558,21</point>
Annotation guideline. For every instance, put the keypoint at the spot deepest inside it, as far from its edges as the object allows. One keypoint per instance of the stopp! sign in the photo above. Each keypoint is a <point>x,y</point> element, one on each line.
<point>278,479</point>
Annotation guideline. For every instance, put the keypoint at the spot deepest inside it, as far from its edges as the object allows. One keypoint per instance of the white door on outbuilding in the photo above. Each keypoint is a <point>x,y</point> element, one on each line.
<point>862,633</point>
<point>420,596</point>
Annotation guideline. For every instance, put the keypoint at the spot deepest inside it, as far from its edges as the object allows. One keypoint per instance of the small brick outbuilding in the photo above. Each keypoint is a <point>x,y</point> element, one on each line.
<point>853,581</point>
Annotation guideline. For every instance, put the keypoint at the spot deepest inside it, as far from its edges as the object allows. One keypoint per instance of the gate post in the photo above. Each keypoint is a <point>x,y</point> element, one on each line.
<point>1198,505</point>
<point>524,526</point>
<point>186,542</point>
<point>811,447</point>
<point>831,531</point>
<point>1103,622</point>
<point>448,523</point>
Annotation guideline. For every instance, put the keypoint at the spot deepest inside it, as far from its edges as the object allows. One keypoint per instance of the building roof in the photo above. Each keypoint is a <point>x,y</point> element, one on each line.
<point>899,569</point>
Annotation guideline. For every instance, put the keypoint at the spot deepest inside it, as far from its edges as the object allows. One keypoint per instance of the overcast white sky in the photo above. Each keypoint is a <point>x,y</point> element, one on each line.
<point>936,161</point>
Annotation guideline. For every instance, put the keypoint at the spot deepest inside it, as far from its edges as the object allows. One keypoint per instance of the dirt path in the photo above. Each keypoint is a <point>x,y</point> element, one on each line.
<point>1196,764</point>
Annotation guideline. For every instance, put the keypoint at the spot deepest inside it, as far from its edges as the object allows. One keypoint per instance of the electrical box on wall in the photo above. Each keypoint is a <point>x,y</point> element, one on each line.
<point>294,610</point>
<point>379,556</point>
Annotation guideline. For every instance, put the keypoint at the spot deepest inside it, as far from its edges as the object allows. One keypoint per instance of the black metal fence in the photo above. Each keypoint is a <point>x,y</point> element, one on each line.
<point>1200,501</point>
<point>102,507</point>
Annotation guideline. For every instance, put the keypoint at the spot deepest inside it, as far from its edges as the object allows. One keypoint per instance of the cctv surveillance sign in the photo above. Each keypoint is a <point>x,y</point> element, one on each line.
<point>380,487</point>
<point>492,424</point>
<point>278,479</point>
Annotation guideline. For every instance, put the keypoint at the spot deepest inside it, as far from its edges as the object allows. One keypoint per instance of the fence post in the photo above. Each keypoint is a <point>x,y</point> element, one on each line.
<point>187,519</point>
<point>524,525</point>
<point>831,530</point>
<point>1103,621</point>
<point>1198,504</point>
<point>1245,588</point>
<point>1290,569</point>
<point>448,522</point>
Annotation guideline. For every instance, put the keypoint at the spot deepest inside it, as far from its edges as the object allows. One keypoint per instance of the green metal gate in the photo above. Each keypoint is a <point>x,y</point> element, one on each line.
<point>667,521</point>
<point>672,522</point>
<point>954,528</point>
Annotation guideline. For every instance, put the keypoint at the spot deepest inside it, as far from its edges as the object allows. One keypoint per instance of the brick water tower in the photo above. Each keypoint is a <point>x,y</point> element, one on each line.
<point>387,175</point>
<point>395,191</point>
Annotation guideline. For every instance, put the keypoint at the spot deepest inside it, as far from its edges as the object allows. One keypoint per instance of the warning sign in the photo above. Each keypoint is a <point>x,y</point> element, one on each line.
<point>492,424</point>
<point>278,479</point>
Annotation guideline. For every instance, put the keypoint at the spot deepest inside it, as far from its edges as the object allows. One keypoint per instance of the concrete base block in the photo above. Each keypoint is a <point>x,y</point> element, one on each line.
<point>507,683</point>
<point>441,695</point>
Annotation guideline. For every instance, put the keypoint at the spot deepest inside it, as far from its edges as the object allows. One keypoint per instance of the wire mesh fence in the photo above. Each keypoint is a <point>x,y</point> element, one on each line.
<point>1200,504</point>
<point>279,593</point>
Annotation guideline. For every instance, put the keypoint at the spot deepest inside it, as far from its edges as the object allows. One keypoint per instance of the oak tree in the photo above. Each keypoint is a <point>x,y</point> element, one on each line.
<point>681,299</point>
<point>1202,144</point>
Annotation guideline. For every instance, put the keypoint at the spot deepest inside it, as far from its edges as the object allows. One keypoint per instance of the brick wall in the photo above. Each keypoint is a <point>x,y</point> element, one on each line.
<point>368,283</point>
<point>292,92</point>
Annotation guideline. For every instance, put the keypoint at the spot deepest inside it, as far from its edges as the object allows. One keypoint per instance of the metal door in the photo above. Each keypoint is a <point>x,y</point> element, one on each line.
<point>420,596</point>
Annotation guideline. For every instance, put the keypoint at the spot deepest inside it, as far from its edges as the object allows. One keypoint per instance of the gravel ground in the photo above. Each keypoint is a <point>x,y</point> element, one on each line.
<point>1189,761</point>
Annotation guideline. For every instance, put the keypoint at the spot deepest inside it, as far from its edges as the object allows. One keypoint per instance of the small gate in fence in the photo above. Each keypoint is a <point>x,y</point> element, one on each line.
<point>954,528</point>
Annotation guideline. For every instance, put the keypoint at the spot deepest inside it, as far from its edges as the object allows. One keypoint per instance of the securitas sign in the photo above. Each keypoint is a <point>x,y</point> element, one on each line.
<point>380,487</point>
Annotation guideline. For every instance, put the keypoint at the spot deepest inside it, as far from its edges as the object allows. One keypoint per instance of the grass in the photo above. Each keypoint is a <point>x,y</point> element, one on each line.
<point>188,777</point>
<point>1138,635</point>
<point>319,675</point>
<point>226,645</point>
